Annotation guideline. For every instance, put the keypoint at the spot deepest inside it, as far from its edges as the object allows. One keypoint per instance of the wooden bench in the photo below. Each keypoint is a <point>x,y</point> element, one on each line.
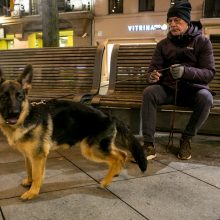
<point>70,72</point>
<point>127,79</point>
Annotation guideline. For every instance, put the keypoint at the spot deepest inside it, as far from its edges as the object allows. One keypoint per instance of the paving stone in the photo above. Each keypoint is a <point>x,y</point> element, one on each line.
<point>8,156</point>
<point>209,174</point>
<point>205,151</point>
<point>170,196</point>
<point>182,165</point>
<point>81,203</point>
<point>60,174</point>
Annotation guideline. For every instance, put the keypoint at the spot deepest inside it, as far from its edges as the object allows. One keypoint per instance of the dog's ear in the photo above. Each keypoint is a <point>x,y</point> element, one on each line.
<point>26,77</point>
<point>1,76</point>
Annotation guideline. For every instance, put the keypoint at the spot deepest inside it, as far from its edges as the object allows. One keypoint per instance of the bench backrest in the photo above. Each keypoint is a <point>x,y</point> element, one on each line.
<point>57,71</point>
<point>215,83</point>
<point>130,62</point>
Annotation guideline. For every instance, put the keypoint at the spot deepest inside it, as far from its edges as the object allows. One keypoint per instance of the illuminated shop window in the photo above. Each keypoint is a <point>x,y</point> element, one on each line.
<point>20,8</point>
<point>10,44</point>
<point>63,41</point>
<point>146,5</point>
<point>172,2</point>
<point>78,5</point>
<point>115,6</point>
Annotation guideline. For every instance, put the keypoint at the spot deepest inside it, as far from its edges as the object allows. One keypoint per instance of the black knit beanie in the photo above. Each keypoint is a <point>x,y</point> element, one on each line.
<point>181,10</point>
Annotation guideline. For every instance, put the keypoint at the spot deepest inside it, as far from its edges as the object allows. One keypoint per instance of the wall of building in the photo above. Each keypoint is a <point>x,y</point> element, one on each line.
<point>211,26</point>
<point>116,26</point>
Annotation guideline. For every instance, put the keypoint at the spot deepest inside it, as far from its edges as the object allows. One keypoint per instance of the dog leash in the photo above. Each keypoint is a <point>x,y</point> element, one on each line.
<point>170,140</point>
<point>141,76</point>
<point>72,94</point>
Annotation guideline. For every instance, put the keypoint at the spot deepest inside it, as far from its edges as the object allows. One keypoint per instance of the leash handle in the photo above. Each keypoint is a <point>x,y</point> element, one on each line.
<point>172,66</point>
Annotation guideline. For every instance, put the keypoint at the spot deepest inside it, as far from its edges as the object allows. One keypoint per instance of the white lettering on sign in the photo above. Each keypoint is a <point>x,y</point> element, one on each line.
<point>151,27</point>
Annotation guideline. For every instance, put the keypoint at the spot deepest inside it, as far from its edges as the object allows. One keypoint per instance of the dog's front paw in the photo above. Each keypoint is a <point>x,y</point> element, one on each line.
<point>26,182</point>
<point>104,183</point>
<point>28,195</point>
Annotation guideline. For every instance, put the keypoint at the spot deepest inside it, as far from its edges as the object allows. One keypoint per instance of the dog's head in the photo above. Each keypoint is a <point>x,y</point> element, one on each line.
<point>13,96</point>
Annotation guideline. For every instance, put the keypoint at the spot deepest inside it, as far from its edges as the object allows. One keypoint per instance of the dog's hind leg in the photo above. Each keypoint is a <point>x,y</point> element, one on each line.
<point>28,180</point>
<point>38,167</point>
<point>115,161</point>
<point>114,157</point>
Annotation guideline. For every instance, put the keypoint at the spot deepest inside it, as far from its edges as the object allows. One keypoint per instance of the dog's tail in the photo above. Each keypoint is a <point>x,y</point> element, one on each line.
<point>125,139</point>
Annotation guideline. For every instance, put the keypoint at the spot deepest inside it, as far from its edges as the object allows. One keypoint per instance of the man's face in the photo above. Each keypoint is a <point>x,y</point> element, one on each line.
<point>177,26</point>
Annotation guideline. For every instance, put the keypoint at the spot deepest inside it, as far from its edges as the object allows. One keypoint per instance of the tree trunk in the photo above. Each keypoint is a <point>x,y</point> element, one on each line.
<point>50,18</point>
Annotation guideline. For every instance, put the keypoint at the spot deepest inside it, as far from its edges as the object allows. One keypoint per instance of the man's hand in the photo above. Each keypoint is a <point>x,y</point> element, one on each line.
<point>177,71</point>
<point>154,77</point>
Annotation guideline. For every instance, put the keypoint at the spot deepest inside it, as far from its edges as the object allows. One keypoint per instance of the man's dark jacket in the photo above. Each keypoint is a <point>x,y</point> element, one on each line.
<point>193,51</point>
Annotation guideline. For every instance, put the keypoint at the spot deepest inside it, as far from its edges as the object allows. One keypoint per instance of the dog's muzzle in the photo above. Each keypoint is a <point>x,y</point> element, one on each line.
<point>12,118</point>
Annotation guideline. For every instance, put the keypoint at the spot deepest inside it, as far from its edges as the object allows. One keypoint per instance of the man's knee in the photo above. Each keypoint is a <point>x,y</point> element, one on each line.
<point>204,97</point>
<point>150,91</point>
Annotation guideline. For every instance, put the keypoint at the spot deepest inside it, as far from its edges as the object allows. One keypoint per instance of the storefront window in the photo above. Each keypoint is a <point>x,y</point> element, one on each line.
<point>20,8</point>
<point>7,42</point>
<point>5,8</point>
<point>63,41</point>
<point>10,44</point>
<point>115,6</point>
<point>77,5</point>
<point>146,5</point>
<point>212,9</point>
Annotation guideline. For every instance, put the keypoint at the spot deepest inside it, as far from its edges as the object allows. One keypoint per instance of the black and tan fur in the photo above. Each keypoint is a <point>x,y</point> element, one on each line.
<point>35,130</point>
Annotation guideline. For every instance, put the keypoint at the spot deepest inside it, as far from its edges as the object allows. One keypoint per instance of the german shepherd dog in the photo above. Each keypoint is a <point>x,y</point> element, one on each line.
<point>36,129</point>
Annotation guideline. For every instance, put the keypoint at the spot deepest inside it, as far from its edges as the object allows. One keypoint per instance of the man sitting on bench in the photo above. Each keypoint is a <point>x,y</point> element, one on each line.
<point>188,59</point>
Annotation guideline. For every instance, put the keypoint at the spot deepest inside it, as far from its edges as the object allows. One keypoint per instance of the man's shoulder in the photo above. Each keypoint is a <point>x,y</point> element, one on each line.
<point>202,43</point>
<point>202,39</point>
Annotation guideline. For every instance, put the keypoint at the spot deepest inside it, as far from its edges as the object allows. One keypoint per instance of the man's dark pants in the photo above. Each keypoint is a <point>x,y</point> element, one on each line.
<point>201,100</point>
